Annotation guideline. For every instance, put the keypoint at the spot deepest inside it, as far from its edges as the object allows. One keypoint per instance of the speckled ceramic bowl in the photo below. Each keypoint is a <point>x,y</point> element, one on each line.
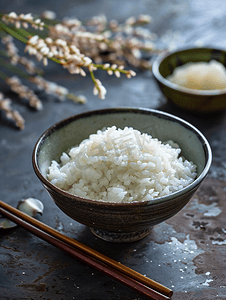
<point>197,101</point>
<point>120,222</point>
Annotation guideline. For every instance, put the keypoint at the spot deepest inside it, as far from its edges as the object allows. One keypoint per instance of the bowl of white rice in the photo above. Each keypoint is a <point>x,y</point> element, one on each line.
<point>121,171</point>
<point>193,79</point>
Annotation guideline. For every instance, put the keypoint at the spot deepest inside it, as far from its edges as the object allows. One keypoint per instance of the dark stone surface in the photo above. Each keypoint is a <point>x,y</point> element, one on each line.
<point>186,253</point>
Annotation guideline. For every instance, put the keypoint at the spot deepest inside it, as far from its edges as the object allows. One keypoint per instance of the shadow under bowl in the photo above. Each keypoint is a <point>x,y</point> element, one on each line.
<point>121,222</point>
<point>196,101</point>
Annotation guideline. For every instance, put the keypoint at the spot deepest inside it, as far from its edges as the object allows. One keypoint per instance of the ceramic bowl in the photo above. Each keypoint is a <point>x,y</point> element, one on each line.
<point>121,222</point>
<point>197,101</point>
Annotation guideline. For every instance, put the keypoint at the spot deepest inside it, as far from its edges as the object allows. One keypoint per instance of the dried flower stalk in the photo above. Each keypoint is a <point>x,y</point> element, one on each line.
<point>50,87</point>
<point>70,57</point>
<point>79,48</point>
<point>54,89</point>
<point>76,48</point>
<point>5,105</point>
<point>24,92</point>
<point>12,52</point>
<point>23,20</point>
<point>111,42</point>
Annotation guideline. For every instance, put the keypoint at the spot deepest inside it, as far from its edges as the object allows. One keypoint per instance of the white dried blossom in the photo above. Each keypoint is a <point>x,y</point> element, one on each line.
<point>99,89</point>
<point>121,67</point>
<point>71,22</point>
<point>81,99</point>
<point>114,66</point>
<point>113,24</point>
<point>50,87</point>
<point>74,49</point>
<point>87,61</point>
<point>11,114</point>
<point>144,19</point>
<point>130,73</point>
<point>61,42</point>
<point>27,64</point>
<point>24,92</point>
<point>97,20</point>
<point>23,20</point>
<point>137,53</point>
<point>82,72</point>
<point>144,33</point>
<point>12,15</point>
<point>28,17</point>
<point>48,40</point>
<point>105,66</point>
<point>141,20</point>
<point>33,40</point>
<point>44,50</point>
<point>131,21</point>
<point>92,68</point>
<point>117,74</point>
<point>95,44</point>
<point>68,55</point>
<point>11,49</point>
<point>48,14</point>
<point>99,37</point>
<point>91,45</point>
<point>110,72</point>
<point>117,70</point>
<point>120,48</point>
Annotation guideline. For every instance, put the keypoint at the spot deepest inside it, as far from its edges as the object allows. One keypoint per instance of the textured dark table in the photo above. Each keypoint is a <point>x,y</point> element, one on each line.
<point>187,252</point>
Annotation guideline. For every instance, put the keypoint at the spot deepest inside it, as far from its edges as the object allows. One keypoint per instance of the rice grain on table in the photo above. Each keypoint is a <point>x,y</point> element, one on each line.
<point>122,165</point>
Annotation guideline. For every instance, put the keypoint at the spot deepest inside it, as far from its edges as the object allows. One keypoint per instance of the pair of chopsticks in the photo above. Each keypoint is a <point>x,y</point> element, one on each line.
<point>110,267</point>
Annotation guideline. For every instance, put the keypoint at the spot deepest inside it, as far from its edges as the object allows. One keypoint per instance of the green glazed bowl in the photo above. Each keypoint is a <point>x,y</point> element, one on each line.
<point>197,101</point>
<point>121,222</point>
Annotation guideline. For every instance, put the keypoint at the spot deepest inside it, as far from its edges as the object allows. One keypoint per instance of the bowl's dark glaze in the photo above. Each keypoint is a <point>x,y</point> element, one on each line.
<point>121,217</point>
<point>130,221</point>
<point>188,99</point>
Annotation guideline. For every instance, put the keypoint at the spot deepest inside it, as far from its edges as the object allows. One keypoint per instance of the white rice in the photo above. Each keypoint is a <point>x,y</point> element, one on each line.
<point>122,165</point>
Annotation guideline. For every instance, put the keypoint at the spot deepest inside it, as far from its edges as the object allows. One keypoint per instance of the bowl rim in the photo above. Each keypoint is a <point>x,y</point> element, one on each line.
<point>158,113</point>
<point>156,73</point>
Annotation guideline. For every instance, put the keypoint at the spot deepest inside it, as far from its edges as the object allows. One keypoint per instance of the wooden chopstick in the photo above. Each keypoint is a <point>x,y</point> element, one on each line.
<point>114,269</point>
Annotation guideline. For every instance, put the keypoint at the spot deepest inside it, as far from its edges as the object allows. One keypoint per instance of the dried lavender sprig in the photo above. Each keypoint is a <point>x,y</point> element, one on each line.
<point>23,20</point>
<point>24,92</point>
<point>11,114</point>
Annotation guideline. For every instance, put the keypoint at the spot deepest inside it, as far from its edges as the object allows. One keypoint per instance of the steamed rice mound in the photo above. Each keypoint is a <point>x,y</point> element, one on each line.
<point>122,165</point>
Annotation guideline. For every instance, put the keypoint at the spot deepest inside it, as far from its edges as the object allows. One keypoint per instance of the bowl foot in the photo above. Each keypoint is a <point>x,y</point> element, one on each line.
<point>119,237</point>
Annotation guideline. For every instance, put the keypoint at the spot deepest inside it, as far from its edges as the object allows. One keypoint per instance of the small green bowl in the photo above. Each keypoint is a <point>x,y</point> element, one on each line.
<point>197,101</point>
<point>121,222</point>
